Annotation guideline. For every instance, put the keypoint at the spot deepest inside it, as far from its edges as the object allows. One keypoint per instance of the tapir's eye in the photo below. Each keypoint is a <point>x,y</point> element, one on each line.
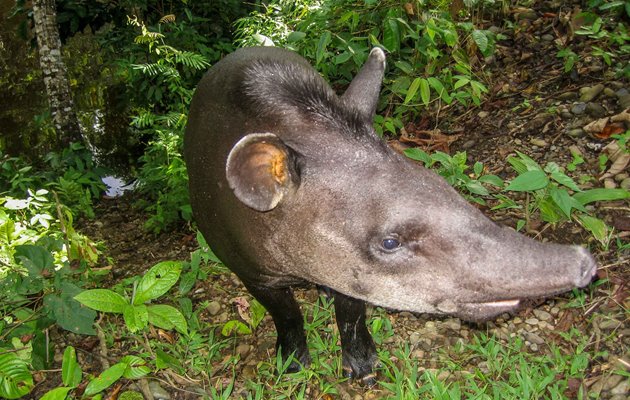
<point>390,244</point>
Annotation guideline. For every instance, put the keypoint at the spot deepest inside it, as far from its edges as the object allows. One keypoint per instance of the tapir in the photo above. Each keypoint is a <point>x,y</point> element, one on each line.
<point>290,185</point>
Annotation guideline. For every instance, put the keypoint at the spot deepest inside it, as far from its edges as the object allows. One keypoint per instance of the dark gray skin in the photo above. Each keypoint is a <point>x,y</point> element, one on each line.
<point>290,185</point>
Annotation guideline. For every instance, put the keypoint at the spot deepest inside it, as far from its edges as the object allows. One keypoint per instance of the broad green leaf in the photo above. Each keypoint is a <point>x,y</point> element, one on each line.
<point>520,224</point>
<point>461,81</point>
<point>590,196</point>
<point>565,180</point>
<point>68,312</point>
<point>391,35</point>
<point>529,181</point>
<point>404,66</point>
<point>419,155</point>
<point>476,188</point>
<point>439,88</point>
<point>529,162</point>
<point>103,300</point>
<point>136,317</point>
<point>518,165</point>
<point>257,311</point>
<point>165,360</point>
<point>235,325</point>
<point>477,168</point>
<point>481,39</point>
<point>295,36</point>
<point>425,91</point>
<point>15,379</point>
<point>562,199</point>
<point>413,89</point>
<point>343,57</point>
<point>135,367</point>
<point>60,393</point>
<point>596,226</point>
<point>323,42</point>
<point>34,258</point>
<point>70,370</point>
<point>105,380</point>
<point>491,179</point>
<point>167,317</point>
<point>157,281</point>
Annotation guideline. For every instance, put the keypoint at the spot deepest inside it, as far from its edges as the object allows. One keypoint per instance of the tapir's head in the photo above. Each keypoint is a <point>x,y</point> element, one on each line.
<point>343,210</point>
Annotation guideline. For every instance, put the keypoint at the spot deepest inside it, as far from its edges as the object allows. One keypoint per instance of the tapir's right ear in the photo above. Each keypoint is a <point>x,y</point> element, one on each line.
<point>262,170</point>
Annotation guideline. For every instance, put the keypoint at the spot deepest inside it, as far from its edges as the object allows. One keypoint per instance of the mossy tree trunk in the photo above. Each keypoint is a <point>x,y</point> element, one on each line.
<point>55,73</point>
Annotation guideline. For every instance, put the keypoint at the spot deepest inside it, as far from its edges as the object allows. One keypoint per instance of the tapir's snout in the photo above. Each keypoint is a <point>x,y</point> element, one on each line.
<point>588,267</point>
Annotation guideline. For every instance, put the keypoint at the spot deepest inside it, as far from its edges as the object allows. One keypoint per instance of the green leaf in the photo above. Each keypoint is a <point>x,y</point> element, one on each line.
<point>520,224</point>
<point>562,199</point>
<point>15,379</point>
<point>135,367</point>
<point>105,380</point>
<point>70,370</point>
<point>103,300</point>
<point>235,325</point>
<point>565,180</point>
<point>491,179</point>
<point>157,281</point>
<point>529,162</point>
<point>136,317</point>
<point>590,196</point>
<point>478,168</point>
<point>391,35</point>
<point>596,226</point>
<point>323,42</point>
<point>165,360</point>
<point>167,317</point>
<point>34,258</point>
<point>68,312</point>
<point>60,393</point>
<point>481,39</point>
<point>404,66</point>
<point>528,181</point>
<point>295,36</point>
<point>419,155</point>
<point>425,91</point>
<point>413,89</point>
<point>476,188</point>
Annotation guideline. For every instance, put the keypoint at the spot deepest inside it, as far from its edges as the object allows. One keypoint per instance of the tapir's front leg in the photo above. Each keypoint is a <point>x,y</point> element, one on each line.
<point>289,323</point>
<point>358,350</point>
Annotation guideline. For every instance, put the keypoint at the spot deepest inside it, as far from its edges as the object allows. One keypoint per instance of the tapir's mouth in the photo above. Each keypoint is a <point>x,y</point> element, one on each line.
<point>483,311</point>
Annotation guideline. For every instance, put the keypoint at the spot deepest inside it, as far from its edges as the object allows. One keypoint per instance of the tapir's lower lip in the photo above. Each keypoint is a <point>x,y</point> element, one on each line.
<point>487,310</point>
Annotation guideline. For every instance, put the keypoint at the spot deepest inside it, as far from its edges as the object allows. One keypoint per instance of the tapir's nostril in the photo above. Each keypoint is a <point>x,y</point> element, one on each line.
<point>588,267</point>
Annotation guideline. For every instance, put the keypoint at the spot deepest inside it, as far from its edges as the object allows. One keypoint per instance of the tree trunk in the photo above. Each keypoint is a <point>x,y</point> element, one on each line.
<point>55,74</point>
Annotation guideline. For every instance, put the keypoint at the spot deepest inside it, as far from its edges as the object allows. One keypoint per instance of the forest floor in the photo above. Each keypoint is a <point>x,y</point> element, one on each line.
<point>533,107</point>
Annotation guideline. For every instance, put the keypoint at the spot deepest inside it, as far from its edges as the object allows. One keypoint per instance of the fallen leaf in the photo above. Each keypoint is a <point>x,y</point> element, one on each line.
<point>596,126</point>
<point>430,140</point>
<point>623,116</point>
<point>618,165</point>
<point>242,306</point>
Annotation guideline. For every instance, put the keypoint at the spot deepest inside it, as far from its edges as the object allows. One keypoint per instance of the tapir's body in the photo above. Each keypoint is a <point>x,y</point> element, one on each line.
<point>289,184</point>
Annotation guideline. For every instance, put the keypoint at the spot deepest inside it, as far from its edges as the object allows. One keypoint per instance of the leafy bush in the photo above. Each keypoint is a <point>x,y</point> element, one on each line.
<point>429,53</point>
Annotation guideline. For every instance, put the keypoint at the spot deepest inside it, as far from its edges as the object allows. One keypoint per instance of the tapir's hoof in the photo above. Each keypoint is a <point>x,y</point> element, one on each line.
<point>297,364</point>
<point>365,375</point>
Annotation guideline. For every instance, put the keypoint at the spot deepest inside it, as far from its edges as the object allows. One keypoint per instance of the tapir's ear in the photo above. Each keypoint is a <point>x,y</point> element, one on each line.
<point>364,89</point>
<point>262,170</point>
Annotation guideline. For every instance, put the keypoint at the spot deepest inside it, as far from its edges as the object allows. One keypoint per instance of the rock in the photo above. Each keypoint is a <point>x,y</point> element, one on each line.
<point>609,183</point>
<point>568,96</point>
<point>158,391</point>
<point>609,324</point>
<point>453,323</point>
<point>590,92</point>
<point>538,142</point>
<point>531,321</point>
<point>576,132</point>
<point>595,110</point>
<point>547,37</point>
<point>483,114</point>
<point>468,144</point>
<point>214,307</point>
<point>566,115</point>
<point>532,337</point>
<point>243,350</point>
<point>621,176</point>
<point>578,108</point>
<point>623,97</point>
<point>529,15</point>
<point>414,338</point>
<point>622,388</point>
<point>625,184</point>
<point>609,382</point>
<point>608,92</point>
<point>542,315</point>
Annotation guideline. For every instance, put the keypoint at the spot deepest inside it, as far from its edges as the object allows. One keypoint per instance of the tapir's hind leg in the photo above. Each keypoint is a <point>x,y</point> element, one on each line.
<point>358,350</point>
<point>289,323</point>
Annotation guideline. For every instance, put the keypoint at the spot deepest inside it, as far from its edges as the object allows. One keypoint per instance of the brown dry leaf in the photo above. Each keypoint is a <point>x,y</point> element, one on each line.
<point>242,306</point>
<point>609,130</point>
<point>596,126</point>
<point>619,164</point>
<point>430,140</point>
<point>623,116</point>
<point>455,7</point>
<point>565,322</point>
<point>409,9</point>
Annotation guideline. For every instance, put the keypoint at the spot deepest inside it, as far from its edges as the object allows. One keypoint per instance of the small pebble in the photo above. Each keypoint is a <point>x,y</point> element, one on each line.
<point>625,184</point>
<point>578,108</point>
<point>620,177</point>
<point>595,110</point>
<point>214,307</point>
<point>576,132</point>
<point>538,142</point>
<point>542,315</point>
<point>547,37</point>
<point>590,92</point>
<point>483,114</point>
<point>568,96</point>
